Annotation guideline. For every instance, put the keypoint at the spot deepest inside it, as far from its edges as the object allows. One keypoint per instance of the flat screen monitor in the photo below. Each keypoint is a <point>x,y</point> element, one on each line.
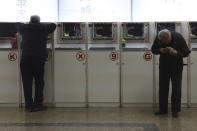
<point>169,26</point>
<point>193,27</point>
<point>102,31</point>
<point>7,30</point>
<point>71,31</point>
<point>133,31</point>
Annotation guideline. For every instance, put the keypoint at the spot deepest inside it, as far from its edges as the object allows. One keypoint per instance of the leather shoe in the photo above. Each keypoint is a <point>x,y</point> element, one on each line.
<point>29,109</point>
<point>175,114</point>
<point>39,108</point>
<point>160,113</point>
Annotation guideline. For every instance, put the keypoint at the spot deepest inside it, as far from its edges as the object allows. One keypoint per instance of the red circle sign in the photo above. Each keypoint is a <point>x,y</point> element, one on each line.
<point>147,56</point>
<point>80,56</point>
<point>12,56</point>
<point>113,56</point>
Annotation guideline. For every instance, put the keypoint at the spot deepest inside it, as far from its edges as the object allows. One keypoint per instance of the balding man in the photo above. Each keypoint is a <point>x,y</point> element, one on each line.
<point>34,54</point>
<point>172,48</point>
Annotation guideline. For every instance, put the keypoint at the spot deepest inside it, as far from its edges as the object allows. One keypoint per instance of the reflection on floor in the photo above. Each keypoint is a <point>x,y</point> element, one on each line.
<point>96,119</point>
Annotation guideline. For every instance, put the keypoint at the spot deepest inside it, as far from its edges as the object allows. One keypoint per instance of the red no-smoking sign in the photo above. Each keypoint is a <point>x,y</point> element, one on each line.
<point>12,56</point>
<point>147,56</point>
<point>80,56</point>
<point>113,56</point>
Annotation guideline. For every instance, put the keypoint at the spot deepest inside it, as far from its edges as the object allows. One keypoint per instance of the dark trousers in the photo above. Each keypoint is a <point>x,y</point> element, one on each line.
<point>164,80</point>
<point>32,67</point>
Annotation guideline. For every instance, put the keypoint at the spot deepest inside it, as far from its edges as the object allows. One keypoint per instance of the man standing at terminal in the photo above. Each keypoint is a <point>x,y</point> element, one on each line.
<point>172,48</point>
<point>34,54</point>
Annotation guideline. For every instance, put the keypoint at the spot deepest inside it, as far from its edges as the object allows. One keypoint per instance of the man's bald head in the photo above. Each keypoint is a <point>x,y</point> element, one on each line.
<point>35,19</point>
<point>165,36</point>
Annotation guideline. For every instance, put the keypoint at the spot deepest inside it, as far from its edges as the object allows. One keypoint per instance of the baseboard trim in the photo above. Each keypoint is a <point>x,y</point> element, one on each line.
<point>104,104</point>
<point>69,104</point>
<point>9,104</point>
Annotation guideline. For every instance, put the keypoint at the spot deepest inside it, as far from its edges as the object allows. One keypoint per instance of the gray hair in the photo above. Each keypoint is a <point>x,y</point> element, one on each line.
<point>35,19</point>
<point>166,31</point>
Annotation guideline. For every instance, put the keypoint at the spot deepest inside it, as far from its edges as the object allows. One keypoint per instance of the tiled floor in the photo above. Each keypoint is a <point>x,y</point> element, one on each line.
<point>96,119</point>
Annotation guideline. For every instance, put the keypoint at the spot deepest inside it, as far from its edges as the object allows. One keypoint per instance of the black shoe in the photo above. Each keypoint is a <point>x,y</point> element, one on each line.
<point>175,114</point>
<point>161,113</point>
<point>29,109</point>
<point>39,108</point>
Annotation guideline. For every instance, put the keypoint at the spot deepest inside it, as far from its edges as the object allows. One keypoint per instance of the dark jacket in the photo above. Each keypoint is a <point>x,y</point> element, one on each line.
<point>168,62</point>
<point>34,38</point>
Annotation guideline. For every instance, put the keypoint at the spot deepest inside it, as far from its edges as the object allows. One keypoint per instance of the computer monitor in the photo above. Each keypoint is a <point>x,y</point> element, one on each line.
<point>71,31</point>
<point>169,26</point>
<point>193,27</point>
<point>102,31</point>
<point>133,31</point>
<point>7,30</point>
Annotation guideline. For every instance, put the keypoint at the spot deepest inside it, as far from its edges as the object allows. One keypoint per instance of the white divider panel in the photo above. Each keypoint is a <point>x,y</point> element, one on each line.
<point>103,78</point>
<point>69,79</point>
<point>8,78</point>
<point>137,78</point>
<point>194,77</point>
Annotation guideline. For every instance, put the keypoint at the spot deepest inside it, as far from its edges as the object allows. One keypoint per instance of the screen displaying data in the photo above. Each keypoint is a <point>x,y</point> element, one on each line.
<point>7,30</point>
<point>102,31</point>
<point>169,26</point>
<point>21,10</point>
<point>164,10</point>
<point>99,10</point>
<point>71,31</point>
<point>193,27</point>
<point>133,31</point>
<point>8,9</point>
<point>95,10</point>
<point>66,10</point>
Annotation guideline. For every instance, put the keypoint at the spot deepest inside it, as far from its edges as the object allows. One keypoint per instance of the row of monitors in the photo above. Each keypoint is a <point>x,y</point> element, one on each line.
<point>73,31</point>
<point>100,30</point>
<point>104,31</point>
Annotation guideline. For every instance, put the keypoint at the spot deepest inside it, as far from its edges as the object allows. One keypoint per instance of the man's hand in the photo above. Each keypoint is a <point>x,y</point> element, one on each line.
<point>172,51</point>
<point>164,50</point>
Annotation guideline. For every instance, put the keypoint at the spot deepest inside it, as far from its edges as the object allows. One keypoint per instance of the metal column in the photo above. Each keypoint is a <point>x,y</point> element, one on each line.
<point>19,71</point>
<point>154,71</point>
<point>52,68</point>
<point>86,64</point>
<point>189,69</point>
<point>119,40</point>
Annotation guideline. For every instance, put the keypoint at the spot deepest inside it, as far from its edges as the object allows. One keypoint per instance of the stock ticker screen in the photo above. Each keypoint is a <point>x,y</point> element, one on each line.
<point>169,26</point>
<point>71,31</point>
<point>102,31</point>
<point>7,30</point>
<point>133,31</point>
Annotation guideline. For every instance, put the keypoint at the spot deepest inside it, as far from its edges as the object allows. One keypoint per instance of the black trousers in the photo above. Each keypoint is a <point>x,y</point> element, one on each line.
<point>164,80</point>
<point>32,67</point>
